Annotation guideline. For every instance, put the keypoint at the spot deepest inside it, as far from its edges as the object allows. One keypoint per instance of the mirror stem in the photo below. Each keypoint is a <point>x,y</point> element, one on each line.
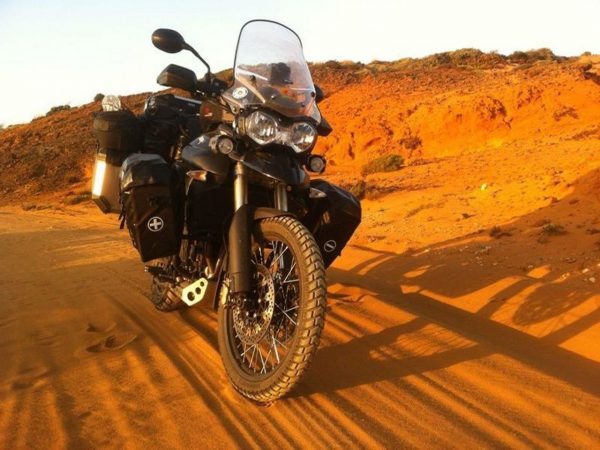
<point>197,55</point>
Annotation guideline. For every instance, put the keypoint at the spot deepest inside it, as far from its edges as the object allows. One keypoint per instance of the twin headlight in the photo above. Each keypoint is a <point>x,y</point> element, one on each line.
<point>265,129</point>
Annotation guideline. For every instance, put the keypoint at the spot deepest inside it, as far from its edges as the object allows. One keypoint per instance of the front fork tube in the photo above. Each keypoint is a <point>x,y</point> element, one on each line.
<point>281,197</point>
<point>240,230</point>
<point>240,190</point>
<point>240,186</point>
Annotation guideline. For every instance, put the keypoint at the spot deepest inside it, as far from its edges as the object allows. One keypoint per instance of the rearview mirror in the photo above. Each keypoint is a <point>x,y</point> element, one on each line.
<point>319,94</point>
<point>169,41</point>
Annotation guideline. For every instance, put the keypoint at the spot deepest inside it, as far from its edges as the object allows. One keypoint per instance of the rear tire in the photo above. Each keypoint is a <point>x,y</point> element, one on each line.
<point>161,293</point>
<point>284,364</point>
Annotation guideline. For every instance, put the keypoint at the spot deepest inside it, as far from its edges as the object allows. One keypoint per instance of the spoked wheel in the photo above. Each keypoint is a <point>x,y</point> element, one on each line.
<point>267,339</point>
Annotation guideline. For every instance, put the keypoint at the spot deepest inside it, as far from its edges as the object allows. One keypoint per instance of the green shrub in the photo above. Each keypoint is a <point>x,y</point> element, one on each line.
<point>530,56</point>
<point>387,163</point>
<point>98,97</point>
<point>358,189</point>
<point>37,170</point>
<point>58,108</point>
<point>411,142</point>
<point>553,229</point>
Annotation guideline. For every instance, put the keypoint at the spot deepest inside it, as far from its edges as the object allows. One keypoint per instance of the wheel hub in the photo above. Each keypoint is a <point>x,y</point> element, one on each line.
<point>252,317</point>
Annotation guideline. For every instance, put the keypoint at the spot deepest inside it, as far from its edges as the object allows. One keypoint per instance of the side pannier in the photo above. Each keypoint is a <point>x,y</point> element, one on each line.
<point>119,134</point>
<point>332,218</point>
<point>149,190</point>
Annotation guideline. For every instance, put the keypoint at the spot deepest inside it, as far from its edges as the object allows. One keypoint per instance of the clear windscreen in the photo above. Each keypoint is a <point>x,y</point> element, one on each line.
<point>270,70</point>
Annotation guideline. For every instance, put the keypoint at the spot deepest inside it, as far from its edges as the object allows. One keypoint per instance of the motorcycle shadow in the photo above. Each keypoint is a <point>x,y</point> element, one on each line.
<point>202,321</point>
<point>459,310</point>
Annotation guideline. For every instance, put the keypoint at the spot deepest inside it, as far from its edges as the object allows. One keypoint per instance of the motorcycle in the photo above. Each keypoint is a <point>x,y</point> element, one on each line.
<point>216,194</point>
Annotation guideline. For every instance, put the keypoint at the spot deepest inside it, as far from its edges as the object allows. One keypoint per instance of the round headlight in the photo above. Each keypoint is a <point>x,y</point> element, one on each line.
<point>261,127</point>
<point>303,136</point>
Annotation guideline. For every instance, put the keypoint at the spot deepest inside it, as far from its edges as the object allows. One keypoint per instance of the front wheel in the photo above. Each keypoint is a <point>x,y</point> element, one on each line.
<point>268,338</point>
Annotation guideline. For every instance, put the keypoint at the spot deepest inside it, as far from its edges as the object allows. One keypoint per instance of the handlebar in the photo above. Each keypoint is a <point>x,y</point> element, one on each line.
<point>213,87</point>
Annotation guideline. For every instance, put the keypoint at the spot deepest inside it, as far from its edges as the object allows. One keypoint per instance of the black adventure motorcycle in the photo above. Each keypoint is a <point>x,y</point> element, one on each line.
<point>215,192</point>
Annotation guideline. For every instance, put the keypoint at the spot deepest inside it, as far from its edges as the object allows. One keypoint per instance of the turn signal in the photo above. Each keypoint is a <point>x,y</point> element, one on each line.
<point>225,145</point>
<point>221,144</point>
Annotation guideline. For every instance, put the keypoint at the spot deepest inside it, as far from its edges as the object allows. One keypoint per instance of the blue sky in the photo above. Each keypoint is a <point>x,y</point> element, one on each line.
<point>64,51</point>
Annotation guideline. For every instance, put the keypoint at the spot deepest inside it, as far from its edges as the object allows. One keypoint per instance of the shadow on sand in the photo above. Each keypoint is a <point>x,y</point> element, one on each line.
<point>542,298</point>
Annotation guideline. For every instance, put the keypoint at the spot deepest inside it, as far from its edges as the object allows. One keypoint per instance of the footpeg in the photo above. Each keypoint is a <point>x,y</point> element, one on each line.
<point>194,293</point>
<point>160,273</point>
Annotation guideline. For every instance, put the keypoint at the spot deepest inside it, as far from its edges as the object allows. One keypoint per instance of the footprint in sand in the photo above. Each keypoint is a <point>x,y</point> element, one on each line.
<point>112,342</point>
<point>46,342</point>
<point>30,377</point>
<point>94,328</point>
<point>44,337</point>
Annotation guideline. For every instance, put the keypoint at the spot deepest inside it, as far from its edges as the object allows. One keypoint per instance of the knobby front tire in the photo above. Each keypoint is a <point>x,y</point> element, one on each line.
<point>282,249</point>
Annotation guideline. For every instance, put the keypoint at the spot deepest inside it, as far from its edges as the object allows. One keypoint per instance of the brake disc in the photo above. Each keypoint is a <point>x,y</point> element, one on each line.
<point>252,324</point>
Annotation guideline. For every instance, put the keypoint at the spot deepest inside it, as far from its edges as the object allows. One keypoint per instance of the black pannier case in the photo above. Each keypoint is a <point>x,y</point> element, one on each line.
<point>332,219</point>
<point>118,130</point>
<point>149,189</point>
<point>119,134</point>
<point>162,119</point>
<point>209,208</point>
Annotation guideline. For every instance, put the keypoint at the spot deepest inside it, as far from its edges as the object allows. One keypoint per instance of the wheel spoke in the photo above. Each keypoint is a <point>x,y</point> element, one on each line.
<point>280,343</point>
<point>291,309</point>
<point>280,259</point>
<point>274,252</point>
<point>263,369</point>
<point>268,356</point>
<point>245,349</point>
<point>261,255</point>
<point>253,354</point>
<point>278,252</point>
<point>286,314</point>
<point>275,348</point>
<point>290,271</point>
